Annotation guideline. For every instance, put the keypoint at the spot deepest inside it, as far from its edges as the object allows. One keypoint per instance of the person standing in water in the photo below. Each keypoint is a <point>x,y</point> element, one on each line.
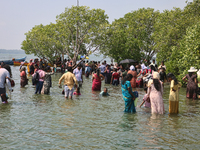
<point>191,79</point>
<point>96,80</point>
<point>128,95</point>
<point>78,74</point>
<point>174,94</point>
<point>69,80</point>
<point>24,80</point>
<point>155,92</point>
<point>198,80</point>
<point>4,78</point>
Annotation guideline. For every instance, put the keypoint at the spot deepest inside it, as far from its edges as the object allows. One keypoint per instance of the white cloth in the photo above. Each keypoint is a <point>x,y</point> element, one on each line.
<point>132,68</point>
<point>143,67</point>
<point>78,74</point>
<point>3,74</point>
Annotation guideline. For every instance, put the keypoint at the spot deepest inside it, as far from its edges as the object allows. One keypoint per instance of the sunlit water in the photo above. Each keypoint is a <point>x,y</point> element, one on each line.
<point>91,122</point>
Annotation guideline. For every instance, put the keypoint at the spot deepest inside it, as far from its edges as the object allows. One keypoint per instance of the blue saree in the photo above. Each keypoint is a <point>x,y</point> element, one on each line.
<point>128,99</point>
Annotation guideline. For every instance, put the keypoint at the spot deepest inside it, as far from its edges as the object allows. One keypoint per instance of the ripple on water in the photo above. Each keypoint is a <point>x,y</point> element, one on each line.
<point>92,122</point>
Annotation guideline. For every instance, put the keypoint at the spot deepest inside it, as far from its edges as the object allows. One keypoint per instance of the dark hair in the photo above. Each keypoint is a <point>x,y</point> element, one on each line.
<point>127,68</point>
<point>7,67</point>
<point>69,69</point>
<point>157,85</point>
<point>98,72</point>
<point>36,65</point>
<point>190,74</point>
<point>145,89</point>
<point>153,68</point>
<point>171,75</point>
<point>126,78</point>
<point>78,89</point>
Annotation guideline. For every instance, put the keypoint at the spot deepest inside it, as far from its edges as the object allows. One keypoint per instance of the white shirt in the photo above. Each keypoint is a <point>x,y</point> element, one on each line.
<point>78,74</point>
<point>3,74</point>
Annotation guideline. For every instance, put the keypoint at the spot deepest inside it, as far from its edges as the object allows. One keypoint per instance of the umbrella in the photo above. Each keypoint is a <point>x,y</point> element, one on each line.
<point>126,61</point>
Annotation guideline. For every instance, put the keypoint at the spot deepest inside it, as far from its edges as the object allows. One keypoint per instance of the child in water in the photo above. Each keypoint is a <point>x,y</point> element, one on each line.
<point>104,92</point>
<point>146,100</point>
<point>77,92</point>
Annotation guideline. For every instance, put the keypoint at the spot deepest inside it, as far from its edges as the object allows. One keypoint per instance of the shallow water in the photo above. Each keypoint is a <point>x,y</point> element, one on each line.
<point>91,122</point>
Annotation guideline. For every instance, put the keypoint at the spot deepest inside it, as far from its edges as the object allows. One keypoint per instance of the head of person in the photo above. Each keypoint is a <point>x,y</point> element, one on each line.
<point>153,61</point>
<point>115,70</point>
<point>192,71</point>
<point>36,66</point>
<point>171,77</point>
<point>23,68</point>
<point>31,60</point>
<point>7,67</point>
<point>104,61</point>
<point>105,90</point>
<point>128,77</point>
<point>153,68</point>
<point>48,68</point>
<point>69,69</point>
<point>126,69</point>
<point>162,63</point>
<point>98,72</point>
<point>145,89</point>
<point>156,81</point>
<point>77,90</point>
<point>79,67</point>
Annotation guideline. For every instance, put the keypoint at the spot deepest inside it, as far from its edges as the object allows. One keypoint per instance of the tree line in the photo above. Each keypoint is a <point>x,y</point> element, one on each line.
<point>172,35</point>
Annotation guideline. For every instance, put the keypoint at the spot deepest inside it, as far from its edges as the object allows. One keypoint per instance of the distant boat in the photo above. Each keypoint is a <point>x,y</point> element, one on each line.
<point>18,63</point>
<point>11,62</point>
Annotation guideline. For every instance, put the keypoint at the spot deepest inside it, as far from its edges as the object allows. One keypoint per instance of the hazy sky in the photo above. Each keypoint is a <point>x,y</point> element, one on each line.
<point>19,16</point>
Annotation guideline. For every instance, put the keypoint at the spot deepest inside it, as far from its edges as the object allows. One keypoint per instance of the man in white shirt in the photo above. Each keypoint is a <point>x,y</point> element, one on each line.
<point>102,68</point>
<point>78,74</point>
<point>4,78</point>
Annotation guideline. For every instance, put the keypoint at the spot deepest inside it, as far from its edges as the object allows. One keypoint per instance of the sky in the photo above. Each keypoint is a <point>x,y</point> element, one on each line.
<point>19,16</point>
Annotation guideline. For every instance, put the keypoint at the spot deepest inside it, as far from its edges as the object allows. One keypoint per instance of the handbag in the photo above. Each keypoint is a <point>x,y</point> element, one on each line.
<point>12,82</point>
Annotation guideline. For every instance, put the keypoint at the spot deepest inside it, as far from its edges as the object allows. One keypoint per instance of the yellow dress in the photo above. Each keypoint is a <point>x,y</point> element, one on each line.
<point>28,67</point>
<point>174,98</point>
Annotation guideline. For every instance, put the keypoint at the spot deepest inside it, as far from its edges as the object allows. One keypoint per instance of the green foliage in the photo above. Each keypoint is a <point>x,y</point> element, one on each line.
<point>170,28</point>
<point>78,30</point>
<point>186,53</point>
<point>131,36</point>
<point>41,41</point>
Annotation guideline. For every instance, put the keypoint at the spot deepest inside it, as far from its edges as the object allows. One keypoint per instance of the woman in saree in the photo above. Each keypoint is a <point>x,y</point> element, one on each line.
<point>24,80</point>
<point>128,95</point>
<point>96,81</point>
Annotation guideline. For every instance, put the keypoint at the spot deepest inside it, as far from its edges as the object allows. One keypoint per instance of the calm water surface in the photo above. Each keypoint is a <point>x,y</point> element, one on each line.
<point>91,122</point>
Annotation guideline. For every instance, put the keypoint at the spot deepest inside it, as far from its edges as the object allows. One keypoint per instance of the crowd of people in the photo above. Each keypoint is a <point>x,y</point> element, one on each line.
<point>131,76</point>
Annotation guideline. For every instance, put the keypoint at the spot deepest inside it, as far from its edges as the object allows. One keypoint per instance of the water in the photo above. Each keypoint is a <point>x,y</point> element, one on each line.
<point>91,122</point>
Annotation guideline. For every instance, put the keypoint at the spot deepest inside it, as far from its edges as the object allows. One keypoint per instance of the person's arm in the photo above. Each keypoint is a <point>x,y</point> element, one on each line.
<point>148,91</point>
<point>184,79</point>
<point>111,81</point>
<point>92,78</point>
<point>60,80</point>
<point>102,77</point>
<point>142,103</point>
<point>161,90</point>
<point>82,75</point>
<point>139,74</point>
<point>75,80</point>
<point>8,81</point>
<point>131,93</point>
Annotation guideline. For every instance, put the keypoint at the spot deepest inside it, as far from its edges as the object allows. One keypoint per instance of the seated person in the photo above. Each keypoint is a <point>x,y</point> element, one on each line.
<point>104,92</point>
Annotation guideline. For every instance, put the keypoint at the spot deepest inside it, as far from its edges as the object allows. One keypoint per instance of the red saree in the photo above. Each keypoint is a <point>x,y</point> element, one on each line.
<point>96,84</point>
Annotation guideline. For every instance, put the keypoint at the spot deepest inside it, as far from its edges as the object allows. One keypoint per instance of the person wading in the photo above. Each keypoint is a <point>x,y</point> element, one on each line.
<point>69,80</point>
